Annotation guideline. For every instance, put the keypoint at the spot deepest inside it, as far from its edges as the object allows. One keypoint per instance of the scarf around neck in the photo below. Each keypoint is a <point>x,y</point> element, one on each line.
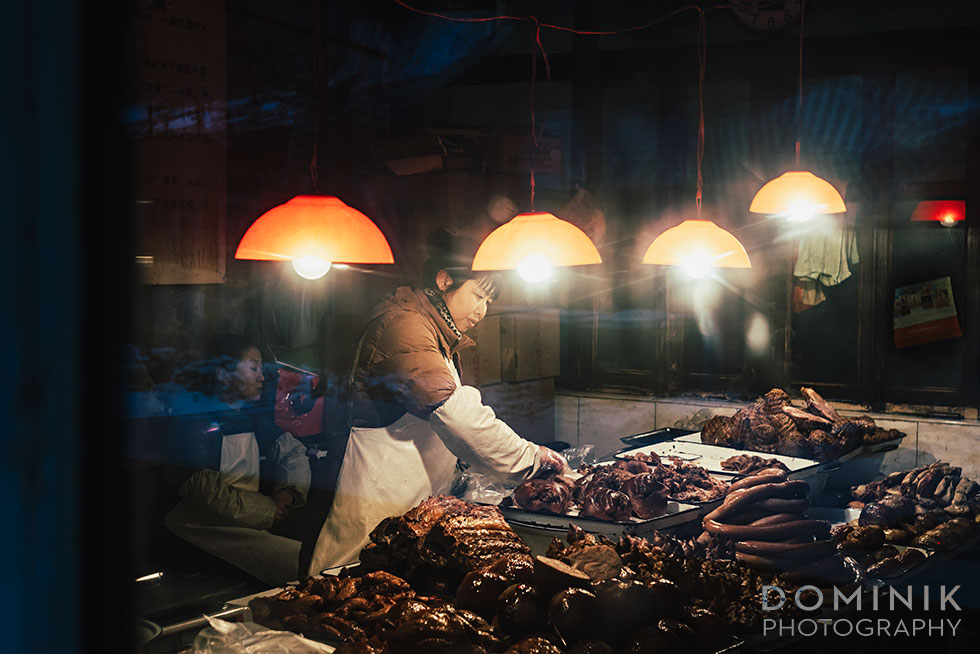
<point>435,297</point>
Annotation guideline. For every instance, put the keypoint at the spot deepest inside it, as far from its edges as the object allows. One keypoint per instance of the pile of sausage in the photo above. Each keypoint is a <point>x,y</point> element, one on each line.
<point>764,515</point>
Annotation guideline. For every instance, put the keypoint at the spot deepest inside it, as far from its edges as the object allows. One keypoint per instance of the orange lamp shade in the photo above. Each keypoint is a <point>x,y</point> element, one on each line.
<point>315,226</point>
<point>798,193</point>
<point>946,212</point>
<point>539,235</point>
<point>697,243</point>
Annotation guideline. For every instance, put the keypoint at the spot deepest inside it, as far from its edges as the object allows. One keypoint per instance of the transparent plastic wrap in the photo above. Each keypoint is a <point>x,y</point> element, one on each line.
<point>576,456</point>
<point>473,486</point>
<point>223,637</point>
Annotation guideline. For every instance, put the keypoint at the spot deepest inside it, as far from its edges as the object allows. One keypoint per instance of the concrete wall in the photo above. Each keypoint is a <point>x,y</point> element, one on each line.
<point>602,420</point>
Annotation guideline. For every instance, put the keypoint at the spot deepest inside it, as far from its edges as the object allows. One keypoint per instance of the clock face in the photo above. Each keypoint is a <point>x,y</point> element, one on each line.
<point>767,15</point>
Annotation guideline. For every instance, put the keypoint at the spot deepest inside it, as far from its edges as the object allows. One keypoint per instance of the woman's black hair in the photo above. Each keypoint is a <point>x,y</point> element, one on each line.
<point>454,253</point>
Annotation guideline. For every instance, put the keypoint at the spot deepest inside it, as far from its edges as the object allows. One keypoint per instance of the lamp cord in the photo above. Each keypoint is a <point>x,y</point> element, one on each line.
<point>317,66</point>
<point>702,62</point>
<point>799,101</point>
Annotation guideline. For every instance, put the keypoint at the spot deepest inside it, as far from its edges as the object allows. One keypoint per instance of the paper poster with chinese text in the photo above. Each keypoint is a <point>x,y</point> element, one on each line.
<point>925,313</point>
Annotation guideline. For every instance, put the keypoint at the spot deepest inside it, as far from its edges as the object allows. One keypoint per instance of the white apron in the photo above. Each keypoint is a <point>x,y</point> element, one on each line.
<point>386,471</point>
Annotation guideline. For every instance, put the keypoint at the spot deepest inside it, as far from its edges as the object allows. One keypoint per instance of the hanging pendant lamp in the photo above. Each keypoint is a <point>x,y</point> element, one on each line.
<point>698,245</point>
<point>533,243</point>
<point>798,194</point>
<point>314,232</point>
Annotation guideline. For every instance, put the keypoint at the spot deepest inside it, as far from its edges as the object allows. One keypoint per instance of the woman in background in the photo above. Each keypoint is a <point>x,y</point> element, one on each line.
<point>410,417</point>
<point>222,437</point>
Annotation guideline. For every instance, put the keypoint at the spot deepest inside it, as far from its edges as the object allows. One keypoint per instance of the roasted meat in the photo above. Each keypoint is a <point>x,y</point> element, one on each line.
<point>544,495</point>
<point>825,447</point>
<point>794,444</point>
<point>889,512</point>
<point>747,464</point>
<point>607,504</point>
<point>819,406</point>
<point>774,401</point>
<point>806,422</point>
<point>648,495</point>
<point>721,430</point>
<point>441,540</point>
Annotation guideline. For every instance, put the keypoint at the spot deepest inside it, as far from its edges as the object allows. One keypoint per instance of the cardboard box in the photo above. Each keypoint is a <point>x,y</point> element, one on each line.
<point>530,345</point>
<point>528,407</point>
<point>481,364</point>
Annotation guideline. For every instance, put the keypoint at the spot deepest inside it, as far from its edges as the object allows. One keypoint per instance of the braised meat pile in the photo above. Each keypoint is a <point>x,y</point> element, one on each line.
<point>698,583</point>
<point>771,424</point>
<point>638,486</point>
<point>874,550</point>
<point>931,506</point>
<point>441,540</point>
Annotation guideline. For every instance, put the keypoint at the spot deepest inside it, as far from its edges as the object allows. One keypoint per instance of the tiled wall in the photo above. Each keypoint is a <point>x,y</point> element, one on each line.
<point>602,420</point>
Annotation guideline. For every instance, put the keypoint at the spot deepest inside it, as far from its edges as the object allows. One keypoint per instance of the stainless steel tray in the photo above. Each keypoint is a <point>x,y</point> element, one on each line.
<point>678,514</point>
<point>883,446</point>
<point>711,456</point>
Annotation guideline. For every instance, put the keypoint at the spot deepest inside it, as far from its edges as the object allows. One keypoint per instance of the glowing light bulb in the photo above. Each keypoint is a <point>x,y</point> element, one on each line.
<point>310,267</point>
<point>948,220</point>
<point>696,265</point>
<point>535,268</point>
<point>802,211</point>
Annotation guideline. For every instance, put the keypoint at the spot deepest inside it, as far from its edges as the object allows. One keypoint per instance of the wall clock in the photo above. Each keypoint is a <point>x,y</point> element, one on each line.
<point>767,16</point>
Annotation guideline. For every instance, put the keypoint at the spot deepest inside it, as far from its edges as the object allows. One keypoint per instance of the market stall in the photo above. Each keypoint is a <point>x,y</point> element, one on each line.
<point>675,544</point>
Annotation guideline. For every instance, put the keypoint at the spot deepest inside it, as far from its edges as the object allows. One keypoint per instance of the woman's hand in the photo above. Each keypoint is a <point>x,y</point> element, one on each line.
<point>283,500</point>
<point>552,463</point>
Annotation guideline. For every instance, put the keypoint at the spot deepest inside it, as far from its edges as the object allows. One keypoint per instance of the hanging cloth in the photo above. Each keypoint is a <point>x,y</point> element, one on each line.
<point>826,257</point>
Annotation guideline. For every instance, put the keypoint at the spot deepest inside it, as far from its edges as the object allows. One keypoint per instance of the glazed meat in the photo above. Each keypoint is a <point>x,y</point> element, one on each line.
<point>441,540</point>
<point>723,431</point>
<point>819,406</point>
<point>806,422</point>
<point>794,443</point>
<point>850,434</point>
<point>825,447</point>
<point>687,482</point>
<point>607,504</point>
<point>774,400</point>
<point>544,495</point>
<point>889,512</point>
<point>647,494</point>
<point>747,464</point>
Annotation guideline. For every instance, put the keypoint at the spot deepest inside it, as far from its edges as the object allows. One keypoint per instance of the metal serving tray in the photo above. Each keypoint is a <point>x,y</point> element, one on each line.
<point>696,438</point>
<point>711,456</point>
<point>656,436</point>
<point>678,514</point>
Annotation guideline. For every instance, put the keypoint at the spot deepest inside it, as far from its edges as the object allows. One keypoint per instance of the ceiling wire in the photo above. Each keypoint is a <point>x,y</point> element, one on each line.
<point>317,66</point>
<point>799,102</point>
<point>702,63</point>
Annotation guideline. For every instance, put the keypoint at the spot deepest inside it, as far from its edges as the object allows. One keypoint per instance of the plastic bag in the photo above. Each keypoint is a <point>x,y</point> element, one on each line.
<point>472,486</point>
<point>223,637</point>
<point>576,456</point>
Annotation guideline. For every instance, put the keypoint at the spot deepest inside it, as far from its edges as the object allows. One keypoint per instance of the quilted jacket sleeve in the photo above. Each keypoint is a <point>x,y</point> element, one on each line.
<point>409,365</point>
